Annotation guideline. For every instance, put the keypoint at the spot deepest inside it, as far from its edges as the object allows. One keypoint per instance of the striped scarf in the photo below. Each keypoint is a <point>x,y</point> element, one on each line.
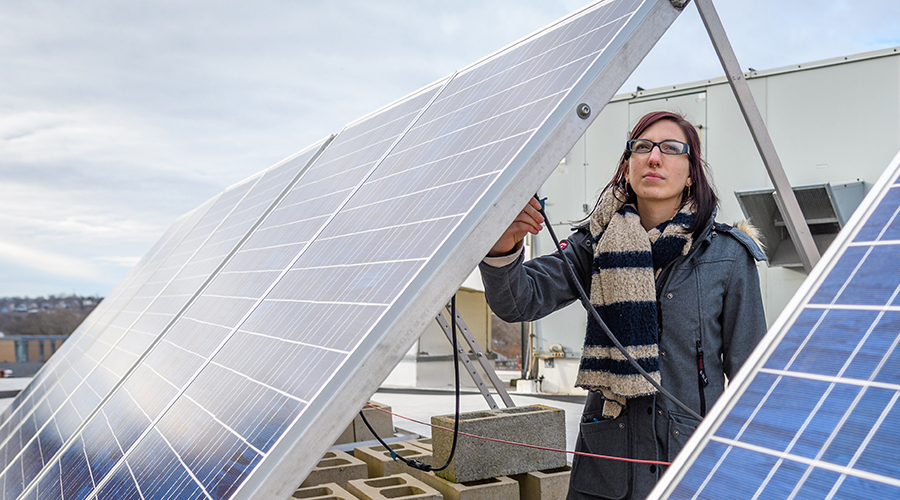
<point>627,260</point>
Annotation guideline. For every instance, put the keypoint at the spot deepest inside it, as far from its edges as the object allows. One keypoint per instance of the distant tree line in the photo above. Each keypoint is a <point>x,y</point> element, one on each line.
<point>57,316</point>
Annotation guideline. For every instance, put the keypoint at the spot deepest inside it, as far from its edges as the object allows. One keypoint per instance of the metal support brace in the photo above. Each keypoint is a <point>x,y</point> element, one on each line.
<point>482,359</point>
<point>480,356</point>
<point>784,194</point>
<point>467,363</point>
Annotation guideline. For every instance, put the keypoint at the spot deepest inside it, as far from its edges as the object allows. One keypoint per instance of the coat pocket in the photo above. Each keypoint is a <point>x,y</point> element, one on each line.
<point>598,477</point>
<point>681,428</point>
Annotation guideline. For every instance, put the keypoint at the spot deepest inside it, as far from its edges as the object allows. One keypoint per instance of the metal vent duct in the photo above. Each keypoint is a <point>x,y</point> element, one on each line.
<point>826,208</point>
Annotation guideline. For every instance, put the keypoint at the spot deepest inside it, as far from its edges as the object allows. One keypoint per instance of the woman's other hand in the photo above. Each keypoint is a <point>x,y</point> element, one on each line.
<point>529,220</point>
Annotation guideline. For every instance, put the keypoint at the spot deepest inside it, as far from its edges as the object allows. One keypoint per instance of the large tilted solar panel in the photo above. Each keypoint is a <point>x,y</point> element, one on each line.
<point>116,349</point>
<point>252,382</point>
<point>815,413</point>
<point>305,209</point>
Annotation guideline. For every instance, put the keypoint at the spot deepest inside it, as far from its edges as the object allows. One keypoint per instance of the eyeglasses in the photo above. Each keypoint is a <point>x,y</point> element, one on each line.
<point>643,146</point>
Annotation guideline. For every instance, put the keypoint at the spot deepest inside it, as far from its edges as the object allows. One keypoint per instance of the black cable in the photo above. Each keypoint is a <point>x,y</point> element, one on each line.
<point>417,464</point>
<point>586,302</point>
<point>456,370</point>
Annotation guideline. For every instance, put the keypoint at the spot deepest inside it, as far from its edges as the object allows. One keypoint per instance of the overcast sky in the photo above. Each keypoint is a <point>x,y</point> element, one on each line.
<point>117,117</point>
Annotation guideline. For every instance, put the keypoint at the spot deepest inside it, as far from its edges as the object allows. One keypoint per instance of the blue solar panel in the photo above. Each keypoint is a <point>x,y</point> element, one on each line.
<point>814,413</point>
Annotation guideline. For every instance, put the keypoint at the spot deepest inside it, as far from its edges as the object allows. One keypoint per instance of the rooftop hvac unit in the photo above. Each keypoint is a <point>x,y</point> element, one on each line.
<point>826,208</point>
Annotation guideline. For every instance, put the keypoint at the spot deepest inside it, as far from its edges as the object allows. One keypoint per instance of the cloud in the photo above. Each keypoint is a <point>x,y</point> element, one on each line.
<point>116,260</point>
<point>72,214</point>
<point>104,138</point>
<point>48,262</point>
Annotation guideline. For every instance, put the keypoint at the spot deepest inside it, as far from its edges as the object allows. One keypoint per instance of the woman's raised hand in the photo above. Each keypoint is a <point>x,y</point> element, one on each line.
<point>529,220</point>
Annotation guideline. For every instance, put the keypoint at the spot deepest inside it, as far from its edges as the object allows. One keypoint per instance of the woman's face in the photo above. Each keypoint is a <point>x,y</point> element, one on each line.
<point>656,178</point>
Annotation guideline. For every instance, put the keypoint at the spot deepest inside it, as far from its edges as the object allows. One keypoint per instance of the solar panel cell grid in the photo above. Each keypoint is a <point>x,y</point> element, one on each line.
<point>124,416</point>
<point>160,473</point>
<point>121,487</point>
<point>883,224</point>
<point>161,373</point>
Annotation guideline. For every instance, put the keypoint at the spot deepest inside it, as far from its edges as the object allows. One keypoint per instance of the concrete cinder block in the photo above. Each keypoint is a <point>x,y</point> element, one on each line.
<point>494,488</point>
<point>396,486</point>
<point>336,467</point>
<point>328,491</point>
<point>382,422</point>
<point>424,443</point>
<point>548,484</point>
<point>476,459</point>
<point>380,463</point>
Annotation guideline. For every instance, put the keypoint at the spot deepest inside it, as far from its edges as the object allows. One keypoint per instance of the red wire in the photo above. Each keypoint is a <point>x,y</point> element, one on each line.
<point>622,459</point>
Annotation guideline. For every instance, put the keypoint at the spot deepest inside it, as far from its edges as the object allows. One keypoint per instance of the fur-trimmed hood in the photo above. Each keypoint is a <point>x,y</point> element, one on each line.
<point>750,230</point>
<point>746,233</point>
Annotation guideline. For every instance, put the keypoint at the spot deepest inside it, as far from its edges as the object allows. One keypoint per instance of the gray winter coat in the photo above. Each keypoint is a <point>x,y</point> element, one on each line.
<point>708,299</point>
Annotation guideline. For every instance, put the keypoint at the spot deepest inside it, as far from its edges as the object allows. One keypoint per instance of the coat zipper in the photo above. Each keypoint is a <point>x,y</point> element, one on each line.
<point>662,282</point>
<point>702,379</point>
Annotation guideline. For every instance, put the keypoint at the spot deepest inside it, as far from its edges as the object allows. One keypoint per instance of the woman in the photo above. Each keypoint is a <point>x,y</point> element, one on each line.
<point>679,290</point>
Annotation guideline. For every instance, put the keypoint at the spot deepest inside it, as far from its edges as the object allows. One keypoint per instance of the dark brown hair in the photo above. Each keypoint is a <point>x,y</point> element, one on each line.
<point>701,192</point>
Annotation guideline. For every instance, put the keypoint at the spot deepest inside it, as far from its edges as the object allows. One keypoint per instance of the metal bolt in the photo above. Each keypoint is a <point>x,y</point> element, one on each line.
<point>583,110</point>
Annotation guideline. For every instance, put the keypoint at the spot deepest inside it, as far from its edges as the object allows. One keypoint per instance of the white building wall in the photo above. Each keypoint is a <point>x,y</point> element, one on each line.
<point>831,121</point>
